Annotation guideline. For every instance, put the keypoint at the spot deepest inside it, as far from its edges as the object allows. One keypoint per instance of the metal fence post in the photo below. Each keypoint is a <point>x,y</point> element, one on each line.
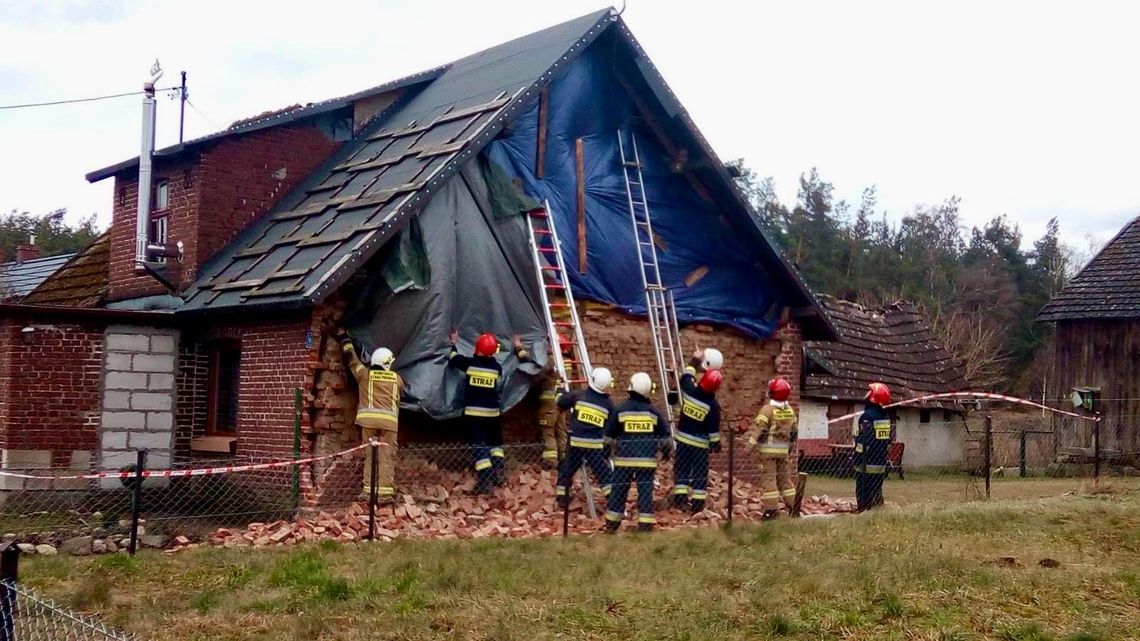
<point>296,475</point>
<point>373,481</point>
<point>9,574</point>
<point>1021,454</point>
<point>566,499</point>
<point>988,452</point>
<point>731,474</point>
<point>136,501</point>
<point>1096,450</point>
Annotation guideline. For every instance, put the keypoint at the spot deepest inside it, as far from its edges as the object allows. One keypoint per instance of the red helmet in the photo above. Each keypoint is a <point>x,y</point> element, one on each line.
<point>711,380</point>
<point>779,389</point>
<point>565,344</point>
<point>486,345</point>
<point>878,394</point>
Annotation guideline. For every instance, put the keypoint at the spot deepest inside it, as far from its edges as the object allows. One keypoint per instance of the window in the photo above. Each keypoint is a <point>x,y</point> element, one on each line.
<point>157,233</point>
<point>923,416</point>
<point>161,195</point>
<point>225,368</point>
<point>947,416</point>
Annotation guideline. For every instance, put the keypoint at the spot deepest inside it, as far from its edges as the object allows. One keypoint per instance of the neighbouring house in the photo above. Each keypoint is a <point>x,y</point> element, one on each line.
<point>1097,347</point>
<point>396,212</point>
<point>19,277</point>
<point>892,345</point>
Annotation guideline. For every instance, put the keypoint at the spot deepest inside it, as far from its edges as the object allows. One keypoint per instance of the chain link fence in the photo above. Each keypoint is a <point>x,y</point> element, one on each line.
<point>26,615</point>
<point>440,493</point>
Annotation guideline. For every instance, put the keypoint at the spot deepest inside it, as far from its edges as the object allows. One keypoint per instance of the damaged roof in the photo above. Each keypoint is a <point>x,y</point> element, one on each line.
<point>326,229</point>
<point>81,282</point>
<point>892,345</point>
<point>1108,287</point>
<point>19,278</point>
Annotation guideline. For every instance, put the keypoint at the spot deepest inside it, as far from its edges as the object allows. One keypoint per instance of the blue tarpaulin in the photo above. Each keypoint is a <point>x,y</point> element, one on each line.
<point>589,103</point>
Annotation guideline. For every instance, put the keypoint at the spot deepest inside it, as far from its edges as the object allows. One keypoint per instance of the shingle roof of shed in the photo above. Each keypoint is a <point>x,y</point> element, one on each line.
<point>81,282</point>
<point>893,345</point>
<point>1108,287</point>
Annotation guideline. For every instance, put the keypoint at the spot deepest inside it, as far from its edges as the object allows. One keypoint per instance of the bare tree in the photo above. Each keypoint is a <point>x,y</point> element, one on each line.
<point>976,340</point>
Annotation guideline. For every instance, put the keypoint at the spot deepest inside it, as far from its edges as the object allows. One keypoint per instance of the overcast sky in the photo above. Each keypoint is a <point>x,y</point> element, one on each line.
<point>1028,109</point>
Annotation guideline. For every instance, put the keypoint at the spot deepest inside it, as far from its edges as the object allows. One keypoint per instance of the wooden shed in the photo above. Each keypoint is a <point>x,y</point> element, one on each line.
<point>1097,345</point>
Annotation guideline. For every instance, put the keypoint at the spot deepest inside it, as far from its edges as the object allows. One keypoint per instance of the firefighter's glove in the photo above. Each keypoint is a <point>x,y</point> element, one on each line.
<point>794,436</point>
<point>341,335</point>
<point>609,444</point>
<point>714,447</point>
<point>666,447</point>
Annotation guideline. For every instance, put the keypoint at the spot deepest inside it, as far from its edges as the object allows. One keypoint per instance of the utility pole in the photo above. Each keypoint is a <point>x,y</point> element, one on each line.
<point>182,107</point>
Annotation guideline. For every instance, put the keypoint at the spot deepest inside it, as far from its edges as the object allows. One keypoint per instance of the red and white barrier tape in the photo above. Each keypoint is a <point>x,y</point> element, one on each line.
<point>975,395</point>
<point>202,471</point>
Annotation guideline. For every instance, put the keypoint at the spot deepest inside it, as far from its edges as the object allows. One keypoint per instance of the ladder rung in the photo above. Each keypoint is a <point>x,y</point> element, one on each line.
<point>546,250</point>
<point>539,213</point>
<point>553,286</point>
<point>563,324</point>
<point>542,231</point>
<point>628,163</point>
<point>551,269</point>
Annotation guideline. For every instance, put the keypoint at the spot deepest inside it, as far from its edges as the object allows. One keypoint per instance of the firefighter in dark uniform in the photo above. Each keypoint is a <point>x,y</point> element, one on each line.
<point>377,412</point>
<point>698,434</point>
<point>482,382</point>
<point>637,431</point>
<point>872,440</point>
<point>590,411</point>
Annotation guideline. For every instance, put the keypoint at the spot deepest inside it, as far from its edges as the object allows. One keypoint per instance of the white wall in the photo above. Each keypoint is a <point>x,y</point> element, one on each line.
<point>813,420</point>
<point>930,444</point>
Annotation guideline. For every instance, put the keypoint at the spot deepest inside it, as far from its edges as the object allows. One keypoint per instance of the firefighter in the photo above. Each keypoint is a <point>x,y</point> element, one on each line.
<point>377,412</point>
<point>775,434</point>
<point>590,410</point>
<point>872,439</point>
<point>698,432</point>
<point>637,431</point>
<point>481,386</point>
<point>550,419</point>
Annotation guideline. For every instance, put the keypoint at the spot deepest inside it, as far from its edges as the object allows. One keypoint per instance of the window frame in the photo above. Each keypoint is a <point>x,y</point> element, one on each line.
<point>925,415</point>
<point>160,187</point>
<point>214,352</point>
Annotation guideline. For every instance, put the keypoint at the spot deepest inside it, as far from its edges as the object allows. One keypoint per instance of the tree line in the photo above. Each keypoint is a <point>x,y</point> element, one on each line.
<point>980,289</point>
<point>53,235</point>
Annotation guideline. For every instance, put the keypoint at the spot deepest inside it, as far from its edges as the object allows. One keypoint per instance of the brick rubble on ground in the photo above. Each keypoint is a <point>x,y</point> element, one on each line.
<point>525,507</point>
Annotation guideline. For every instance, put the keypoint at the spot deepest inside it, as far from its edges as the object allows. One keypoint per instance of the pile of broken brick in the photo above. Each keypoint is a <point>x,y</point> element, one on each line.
<point>525,507</point>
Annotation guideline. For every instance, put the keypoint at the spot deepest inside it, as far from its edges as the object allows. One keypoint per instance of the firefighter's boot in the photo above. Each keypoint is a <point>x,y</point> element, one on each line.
<point>644,527</point>
<point>696,506</point>
<point>768,515</point>
<point>611,527</point>
<point>678,501</point>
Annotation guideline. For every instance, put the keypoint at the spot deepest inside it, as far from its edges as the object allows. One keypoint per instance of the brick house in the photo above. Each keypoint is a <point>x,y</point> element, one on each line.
<point>893,345</point>
<point>290,218</point>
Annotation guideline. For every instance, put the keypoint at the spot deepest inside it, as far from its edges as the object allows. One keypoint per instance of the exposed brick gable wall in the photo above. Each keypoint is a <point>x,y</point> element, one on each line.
<point>213,197</point>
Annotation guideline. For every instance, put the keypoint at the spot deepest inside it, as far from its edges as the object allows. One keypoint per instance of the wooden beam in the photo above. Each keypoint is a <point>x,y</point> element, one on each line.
<point>579,162</point>
<point>543,112</point>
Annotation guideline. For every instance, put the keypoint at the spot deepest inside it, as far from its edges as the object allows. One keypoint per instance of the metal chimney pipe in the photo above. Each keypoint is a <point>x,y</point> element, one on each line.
<point>142,221</point>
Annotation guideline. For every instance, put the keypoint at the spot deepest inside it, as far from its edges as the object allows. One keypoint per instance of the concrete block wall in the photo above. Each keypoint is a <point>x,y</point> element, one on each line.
<point>138,396</point>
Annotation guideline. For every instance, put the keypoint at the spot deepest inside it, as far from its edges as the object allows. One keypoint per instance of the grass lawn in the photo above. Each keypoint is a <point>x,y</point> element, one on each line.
<point>921,488</point>
<point>919,572</point>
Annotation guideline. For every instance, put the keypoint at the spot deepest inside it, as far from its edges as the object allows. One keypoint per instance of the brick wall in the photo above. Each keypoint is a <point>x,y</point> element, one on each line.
<point>49,391</point>
<point>191,397</point>
<point>213,197</point>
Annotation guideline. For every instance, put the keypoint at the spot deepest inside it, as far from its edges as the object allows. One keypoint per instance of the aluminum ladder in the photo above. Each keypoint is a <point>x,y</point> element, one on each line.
<point>560,313</point>
<point>658,299</point>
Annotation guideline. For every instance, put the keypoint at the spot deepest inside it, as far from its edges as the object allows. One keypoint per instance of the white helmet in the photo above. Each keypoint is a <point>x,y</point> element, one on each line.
<point>713,359</point>
<point>641,383</point>
<point>383,357</point>
<point>601,379</point>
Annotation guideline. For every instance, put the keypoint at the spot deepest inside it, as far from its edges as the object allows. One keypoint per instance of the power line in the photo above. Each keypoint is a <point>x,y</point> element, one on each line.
<point>75,100</point>
<point>204,116</point>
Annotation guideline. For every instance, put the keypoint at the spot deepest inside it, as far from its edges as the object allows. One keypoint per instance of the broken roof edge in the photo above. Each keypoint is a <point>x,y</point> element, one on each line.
<point>274,119</point>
